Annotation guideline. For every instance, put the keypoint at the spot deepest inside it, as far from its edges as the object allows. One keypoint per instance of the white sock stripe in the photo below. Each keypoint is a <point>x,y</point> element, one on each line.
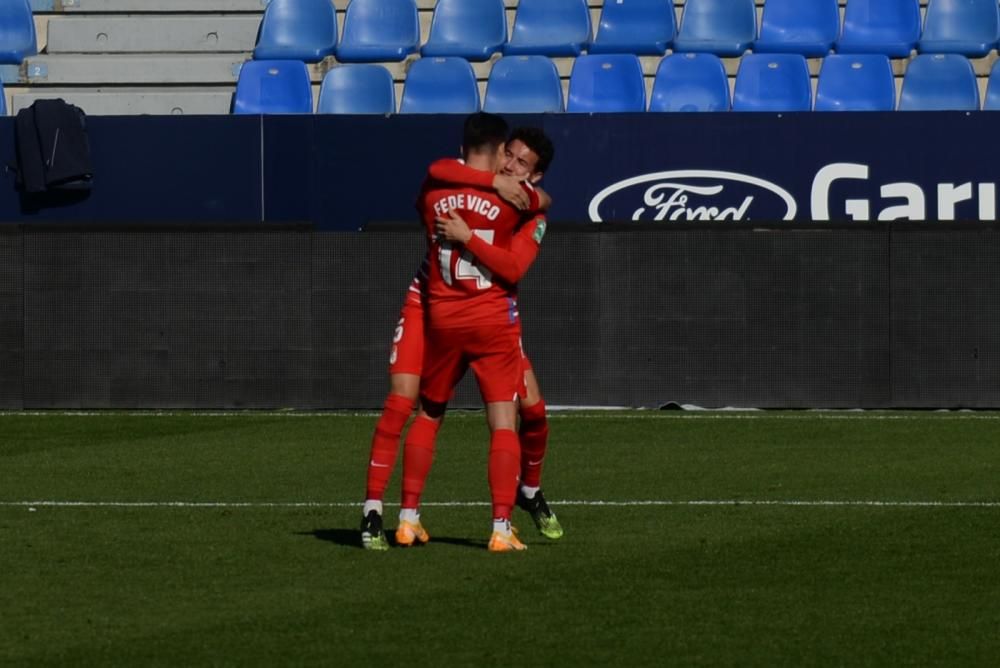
<point>471,504</point>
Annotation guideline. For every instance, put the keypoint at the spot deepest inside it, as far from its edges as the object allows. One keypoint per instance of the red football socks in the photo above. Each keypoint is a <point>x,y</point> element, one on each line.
<point>504,463</point>
<point>418,454</point>
<point>534,437</point>
<point>385,444</point>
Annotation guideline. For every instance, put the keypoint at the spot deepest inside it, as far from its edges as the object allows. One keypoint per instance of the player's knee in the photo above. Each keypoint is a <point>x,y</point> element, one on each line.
<point>533,416</point>
<point>501,415</point>
<point>399,403</point>
<point>405,385</point>
<point>433,410</point>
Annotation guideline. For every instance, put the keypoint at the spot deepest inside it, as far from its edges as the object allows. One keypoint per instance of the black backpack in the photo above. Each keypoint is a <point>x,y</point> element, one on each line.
<point>53,152</point>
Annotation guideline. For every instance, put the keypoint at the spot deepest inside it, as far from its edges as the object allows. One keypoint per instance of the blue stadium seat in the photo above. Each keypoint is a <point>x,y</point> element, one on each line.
<point>772,82</point>
<point>992,101</point>
<point>273,87</point>
<point>377,30</point>
<point>550,28</point>
<point>523,85</point>
<point>297,30</point>
<point>793,26</point>
<point>939,82</point>
<point>472,30</point>
<point>891,27</point>
<point>861,82</point>
<point>642,27</point>
<point>722,27</point>
<point>606,83</point>
<point>3,101</point>
<point>690,82</point>
<point>968,27</point>
<point>357,89</point>
<point>17,32</point>
<point>440,86</point>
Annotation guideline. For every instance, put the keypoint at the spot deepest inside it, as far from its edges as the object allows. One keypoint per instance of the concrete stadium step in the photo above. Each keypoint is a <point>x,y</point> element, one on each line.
<point>133,69</point>
<point>148,34</point>
<point>165,6</point>
<point>205,68</point>
<point>148,6</point>
<point>128,102</point>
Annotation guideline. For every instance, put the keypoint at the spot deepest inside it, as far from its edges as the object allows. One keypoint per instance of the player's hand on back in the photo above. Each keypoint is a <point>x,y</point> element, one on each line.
<point>453,228</point>
<point>509,188</point>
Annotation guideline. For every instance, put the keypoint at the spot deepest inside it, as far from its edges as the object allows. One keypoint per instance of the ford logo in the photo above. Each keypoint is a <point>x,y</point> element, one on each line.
<point>693,195</point>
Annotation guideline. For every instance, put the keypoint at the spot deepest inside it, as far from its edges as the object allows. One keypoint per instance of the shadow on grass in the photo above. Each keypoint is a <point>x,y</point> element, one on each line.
<point>352,538</point>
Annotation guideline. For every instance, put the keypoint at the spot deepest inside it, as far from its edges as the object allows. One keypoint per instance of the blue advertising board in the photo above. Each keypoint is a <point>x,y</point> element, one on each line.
<point>768,167</point>
<point>152,169</point>
<point>342,172</point>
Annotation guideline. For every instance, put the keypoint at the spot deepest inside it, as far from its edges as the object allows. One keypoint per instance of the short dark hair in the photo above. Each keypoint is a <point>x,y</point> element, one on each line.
<point>537,141</point>
<point>483,130</point>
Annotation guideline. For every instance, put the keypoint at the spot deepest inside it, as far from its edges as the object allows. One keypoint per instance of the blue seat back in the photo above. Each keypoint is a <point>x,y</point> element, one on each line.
<point>273,87</point>
<point>550,28</point>
<point>862,82</point>
<point>297,30</point>
<point>17,32</point>
<point>772,82</point>
<point>357,89</point>
<point>690,82</point>
<point>939,82</point>
<point>992,101</point>
<point>606,83</point>
<point>377,30</point>
<point>440,86</point>
<point>793,26</point>
<point>722,27</point>
<point>3,101</point>
<point>969,27</point>
<point>643,27</point>
<point>891,27</point>
<point>523,85</point>
<point>472,30</point>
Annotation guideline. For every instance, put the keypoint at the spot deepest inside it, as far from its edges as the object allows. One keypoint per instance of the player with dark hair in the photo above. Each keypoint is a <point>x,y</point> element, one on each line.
<point>471,322</point>
<point>527,156</point>
<point>526,150</point>
<point>536,141</point>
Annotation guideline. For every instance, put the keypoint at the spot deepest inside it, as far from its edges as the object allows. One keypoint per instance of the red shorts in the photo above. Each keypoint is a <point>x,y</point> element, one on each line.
<point>407,354</point>
<point>494,353</point>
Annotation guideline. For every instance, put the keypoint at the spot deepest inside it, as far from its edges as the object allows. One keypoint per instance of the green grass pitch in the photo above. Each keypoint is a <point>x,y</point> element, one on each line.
<point>740,561</point>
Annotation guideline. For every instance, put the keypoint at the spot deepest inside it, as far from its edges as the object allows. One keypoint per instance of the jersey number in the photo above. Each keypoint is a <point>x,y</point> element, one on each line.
<point>467,268</point>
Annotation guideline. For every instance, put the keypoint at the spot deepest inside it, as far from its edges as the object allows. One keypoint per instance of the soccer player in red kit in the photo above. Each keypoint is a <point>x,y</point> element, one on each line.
<point>471,321</point>
<point>528,154</point>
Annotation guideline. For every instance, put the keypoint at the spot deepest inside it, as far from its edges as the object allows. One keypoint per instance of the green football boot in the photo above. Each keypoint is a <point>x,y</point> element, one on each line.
<point>372,534</point>
<point>541,514</point>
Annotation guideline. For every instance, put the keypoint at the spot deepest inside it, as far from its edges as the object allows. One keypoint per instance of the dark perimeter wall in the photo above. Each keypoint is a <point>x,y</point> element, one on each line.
<point>780,316</point>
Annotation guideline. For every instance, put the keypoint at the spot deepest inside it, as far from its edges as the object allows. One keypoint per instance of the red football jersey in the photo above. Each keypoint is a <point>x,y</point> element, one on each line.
<point>460,291</point>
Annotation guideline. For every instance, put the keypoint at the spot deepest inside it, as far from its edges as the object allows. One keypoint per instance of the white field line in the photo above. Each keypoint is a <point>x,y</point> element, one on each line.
<point>477,504</point>
<point>635,415</point>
